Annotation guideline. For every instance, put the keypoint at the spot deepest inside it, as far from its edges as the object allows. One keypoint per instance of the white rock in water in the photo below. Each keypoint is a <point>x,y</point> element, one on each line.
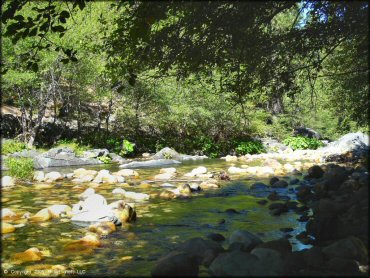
<point>39,176</point>
<point>94,201</point>
<point>170,170</point>
<point>197,171</point>
<point>164,176</point>
<point>236,170</point>
<point>5,212</point>
<point>118,191</point>
<point>7,181</point>
<point>53,176</point>
<point>136,196</point>
<point>57,210</point>
<point>127,173</point>
<point>168,185</point>
<point>87,193</point>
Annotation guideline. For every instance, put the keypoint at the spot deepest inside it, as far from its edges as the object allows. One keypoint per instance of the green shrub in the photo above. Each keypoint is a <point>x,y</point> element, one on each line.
<point>12,146</point>
<point>21,168</point>
<point>105,159</point>
<point>167,156</point>
<point>73,144</point>
<point>302,143</point>
<point>250,147</point>
<point>127,147</point>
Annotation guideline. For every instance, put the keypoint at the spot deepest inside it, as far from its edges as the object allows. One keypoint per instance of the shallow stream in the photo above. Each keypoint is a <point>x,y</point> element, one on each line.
<point>134,248</point>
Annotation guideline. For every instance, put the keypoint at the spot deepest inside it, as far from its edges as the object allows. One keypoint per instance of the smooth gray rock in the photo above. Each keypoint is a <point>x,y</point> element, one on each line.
<point>168,153</point>
<point>149,163</point>
<point>95,153</point>
<point>25,153</point>
<point>358,143</point>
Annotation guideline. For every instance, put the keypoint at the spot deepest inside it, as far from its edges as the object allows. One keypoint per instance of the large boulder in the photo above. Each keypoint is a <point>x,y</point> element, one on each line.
<point>235,263</point>
<point>246,239</point>
<point>92,210</point>
<point>205,251</point>
<point>306,132</point>
<point>356,143</point>
<point>176,264</point>
<point>167,153</point>
<point>61,157</point>
<point>95,153</point>
<point>348,248</point>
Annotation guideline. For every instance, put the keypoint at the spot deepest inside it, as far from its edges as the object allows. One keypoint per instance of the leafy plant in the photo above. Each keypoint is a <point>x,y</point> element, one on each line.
<point>303,143</point>
<point>12,146</point>
<point>127,147</point>
<point>105,159</point>
<point>250,147</point>
<point>167,156</point>
<point>21,168</point>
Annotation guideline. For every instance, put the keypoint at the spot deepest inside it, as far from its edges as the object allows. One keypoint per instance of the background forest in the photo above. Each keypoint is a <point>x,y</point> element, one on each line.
<point>200,77</point>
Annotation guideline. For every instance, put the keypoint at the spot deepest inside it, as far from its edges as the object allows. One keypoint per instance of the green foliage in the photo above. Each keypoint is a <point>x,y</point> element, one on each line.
<point>74,145</point>
<point>12,146</point>
<point>127,147</point>
<point>302,143</point>
<point>167,156</point>
<point>250,147</point>
<point>21,168</point>
<point>105,159</point>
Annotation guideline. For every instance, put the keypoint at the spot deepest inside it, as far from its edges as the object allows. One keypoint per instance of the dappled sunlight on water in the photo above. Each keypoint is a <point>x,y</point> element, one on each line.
<point>134,248</point>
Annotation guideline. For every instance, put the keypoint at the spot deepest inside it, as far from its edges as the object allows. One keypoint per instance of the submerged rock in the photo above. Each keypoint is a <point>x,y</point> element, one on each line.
<point>7,228</point>
<point>30,255</point>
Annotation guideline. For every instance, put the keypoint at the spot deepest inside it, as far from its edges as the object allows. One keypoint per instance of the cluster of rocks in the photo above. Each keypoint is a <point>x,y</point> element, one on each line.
<point>337,229</point>
<point>65,156</point>
<point>270,167</point>
<point>248,255</point>
<point>350,147</point>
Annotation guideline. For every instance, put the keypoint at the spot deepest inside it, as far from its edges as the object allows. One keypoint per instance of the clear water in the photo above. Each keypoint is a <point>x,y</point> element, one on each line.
<point>133,249</point>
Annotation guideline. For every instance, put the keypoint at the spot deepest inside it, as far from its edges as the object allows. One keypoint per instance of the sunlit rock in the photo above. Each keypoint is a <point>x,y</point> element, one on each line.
<point>60,211</point>
<point>39,176</point>
<point>236,170</point>
<point>7,181</point>
<point>136,196</point>
<point>30,255</point>
<point>42,215</point>
<point>197,171</point>
<point>119,191</point>
<point>164,176</point>
<point>53,176</point>
<point>7,213</point>
<point>103,228</point>
<point>128,173</point>
<point>7,228</point>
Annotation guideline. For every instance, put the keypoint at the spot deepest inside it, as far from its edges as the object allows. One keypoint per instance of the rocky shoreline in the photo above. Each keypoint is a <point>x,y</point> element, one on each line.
<point>337,229</point>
